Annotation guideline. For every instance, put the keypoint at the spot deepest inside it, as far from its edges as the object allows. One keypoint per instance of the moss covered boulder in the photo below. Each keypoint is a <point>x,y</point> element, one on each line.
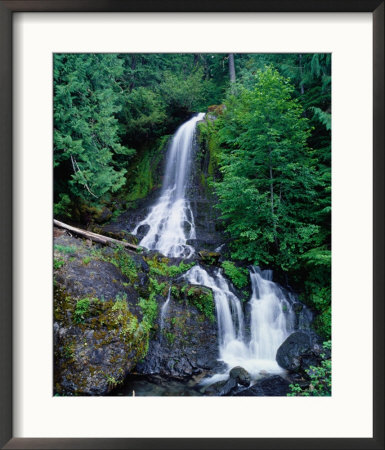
<point>97,343</point>
<point>99,335</point>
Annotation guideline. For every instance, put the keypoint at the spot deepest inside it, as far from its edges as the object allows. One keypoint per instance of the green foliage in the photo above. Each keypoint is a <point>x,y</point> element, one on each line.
<point>238,276</point>
<point>315,279</point>
<point>170,337</point>
<point>157,287</point>
<point>323,322</point>
<point>108,107</point>
<point>86,260</point>
<point>323,117</point>
<point>320,379</point>
<point>120,303</point>
<point>160,267</point>
<point>203,300</point>
<point>86,139</point>
<point>181,92</point>
<point>68,250</point>
<point>141,173</point>
<point>274,190</point>
<point>120,258</point>
<point>112,381</point>
<point>124,262</point>
<point>61,207</point>
<point>68,351</point>
<point>265,158</point>
<point>58,263</point>
<point>269,150</point>
<point>143,111</point>
<point>150,311</point>
<point>81,310</point>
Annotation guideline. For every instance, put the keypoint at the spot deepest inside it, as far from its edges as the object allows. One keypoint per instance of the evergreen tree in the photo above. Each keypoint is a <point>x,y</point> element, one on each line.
<point>86,99</point>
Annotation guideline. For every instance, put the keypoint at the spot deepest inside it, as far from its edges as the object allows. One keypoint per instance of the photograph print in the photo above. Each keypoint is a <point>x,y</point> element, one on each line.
<point>192,224</point>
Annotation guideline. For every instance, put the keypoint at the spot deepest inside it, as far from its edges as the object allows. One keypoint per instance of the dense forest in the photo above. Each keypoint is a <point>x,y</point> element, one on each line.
<point>268,140</point>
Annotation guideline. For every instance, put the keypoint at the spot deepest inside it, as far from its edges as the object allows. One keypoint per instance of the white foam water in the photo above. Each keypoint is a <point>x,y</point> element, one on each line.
<point>271,321</point>
<point>171,224</point>
<point>171,221</point>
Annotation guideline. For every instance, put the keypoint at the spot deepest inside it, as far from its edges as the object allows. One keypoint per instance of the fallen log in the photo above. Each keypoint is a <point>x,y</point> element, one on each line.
<point>99,238</point>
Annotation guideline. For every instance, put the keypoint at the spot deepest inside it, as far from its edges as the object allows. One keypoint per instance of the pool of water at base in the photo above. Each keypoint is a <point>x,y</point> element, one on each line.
<point>149,387</point>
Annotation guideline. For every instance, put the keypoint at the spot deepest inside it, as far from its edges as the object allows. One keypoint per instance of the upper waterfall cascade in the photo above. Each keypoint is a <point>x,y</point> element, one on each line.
<point>171,221</point>
<point>171,224</point>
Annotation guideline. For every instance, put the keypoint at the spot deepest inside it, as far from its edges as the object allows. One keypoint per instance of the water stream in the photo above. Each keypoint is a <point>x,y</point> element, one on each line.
<point>170,225</point>
<point>163,311</point>
<point>171,221</point>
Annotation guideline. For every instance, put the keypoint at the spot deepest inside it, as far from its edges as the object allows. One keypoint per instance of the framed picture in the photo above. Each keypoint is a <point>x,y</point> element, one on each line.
<point>156,294</point>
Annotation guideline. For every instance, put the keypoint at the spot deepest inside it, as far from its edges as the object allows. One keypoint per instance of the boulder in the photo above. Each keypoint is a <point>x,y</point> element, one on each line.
<point>229,387</point>
<point>274,386</point>
<point>142,231</point>
<point>299,351</point>
<point>240,375</point>
<point>214,389</point>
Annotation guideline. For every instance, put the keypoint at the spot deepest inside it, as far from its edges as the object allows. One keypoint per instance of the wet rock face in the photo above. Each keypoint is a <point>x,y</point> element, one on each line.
<point>184,344</point>
<point>300,351</point>
<point>202,200</point>
<point>209,257</point>
<point>240,375</point>
<point>274,386</point>
<point>228,388</point>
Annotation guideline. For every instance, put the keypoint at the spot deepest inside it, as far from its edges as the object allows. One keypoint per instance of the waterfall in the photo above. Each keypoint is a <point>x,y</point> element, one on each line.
<point>171,221</point>
<point>271,320</point>
<point>228,307</point>
<point>163,311</point>
<point>171,224</point>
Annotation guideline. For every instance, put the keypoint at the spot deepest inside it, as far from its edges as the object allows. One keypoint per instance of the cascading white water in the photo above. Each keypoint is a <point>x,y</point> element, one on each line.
<point>171,221</point>
<point>228,307</point>
<point>271,316</point>
<point>271,321</point>
<point>163,311</point>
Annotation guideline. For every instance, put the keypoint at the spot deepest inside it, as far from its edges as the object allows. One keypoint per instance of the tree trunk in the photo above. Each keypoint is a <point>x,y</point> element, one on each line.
<point>301,75</point>
<point>133,67</point>
<point>231,68</point>
<point>100,239</point>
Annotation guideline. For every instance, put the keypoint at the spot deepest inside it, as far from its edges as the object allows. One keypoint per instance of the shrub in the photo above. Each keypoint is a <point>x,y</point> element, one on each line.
<point>320,379</point>
<point>237,275</point>
<point>86,260</point>
<point>150,311</point>
<point>58,263</point>
<point>203,300</point>
<point>67,249</point>
<point>81,310</point>
<point>161,268</point>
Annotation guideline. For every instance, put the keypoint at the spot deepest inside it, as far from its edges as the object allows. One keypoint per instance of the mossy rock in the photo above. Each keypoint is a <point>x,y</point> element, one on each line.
<point>208,257</point>
<point>94,356</point>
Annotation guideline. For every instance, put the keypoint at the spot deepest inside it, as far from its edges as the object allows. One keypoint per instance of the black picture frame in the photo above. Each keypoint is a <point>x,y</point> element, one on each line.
<point>7,8</point>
